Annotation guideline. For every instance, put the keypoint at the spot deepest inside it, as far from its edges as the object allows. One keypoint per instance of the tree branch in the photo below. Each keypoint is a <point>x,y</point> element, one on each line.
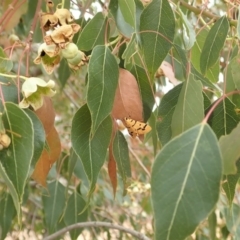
<point>198,11</point>
<point>134,233</point>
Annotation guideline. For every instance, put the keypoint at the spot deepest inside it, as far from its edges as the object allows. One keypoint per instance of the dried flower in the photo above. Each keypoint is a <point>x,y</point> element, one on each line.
<point>49,56</point>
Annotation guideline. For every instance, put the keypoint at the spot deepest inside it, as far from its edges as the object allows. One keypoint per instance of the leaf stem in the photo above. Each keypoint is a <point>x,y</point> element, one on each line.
<point>134,233</point>
<point>115,41</point>
<point>12,76</point>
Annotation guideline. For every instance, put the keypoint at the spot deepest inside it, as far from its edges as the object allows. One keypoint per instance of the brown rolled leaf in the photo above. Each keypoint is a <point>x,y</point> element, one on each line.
<point>46,114</point>
<point>127,102</point>
<point>48,158</point>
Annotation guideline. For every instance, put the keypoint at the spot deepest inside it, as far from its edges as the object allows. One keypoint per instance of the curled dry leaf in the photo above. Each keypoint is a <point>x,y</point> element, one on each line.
<point>48,158</point>
<point>166,69</point>
<point>127,102</point>
<point>48,21</point>
<point>64,16</point>
<point>62,35</point>
<point>46,114</point>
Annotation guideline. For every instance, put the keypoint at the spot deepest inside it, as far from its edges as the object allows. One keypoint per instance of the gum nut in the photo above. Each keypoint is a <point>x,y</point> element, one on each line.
<point>70,51</point>
<point>5,140</point>
<point>77,59</point>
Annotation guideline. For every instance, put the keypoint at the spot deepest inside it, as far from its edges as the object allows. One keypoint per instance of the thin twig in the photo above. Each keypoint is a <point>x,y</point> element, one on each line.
<point>96,224</point>
<point>198,11</point>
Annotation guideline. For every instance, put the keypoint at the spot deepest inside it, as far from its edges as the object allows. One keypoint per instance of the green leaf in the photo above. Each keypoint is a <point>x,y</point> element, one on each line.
<point>230,145</point>
<point>165,113</point>
<point>180,62</point>
<point>79,169</point>
<point>238,24</point>
<point>10,91</point>
<point>224,118</point>
<point>92,150</point>
<point>94,33</point>
<point>75,205</point>
<point>213,44</point>
<point>7,213</point>
<point>146,90</point>
<point>73,158</point>
<point>185,182</point>
<point>124,28</point>
<point>6,64</point>
<point>229,185</point>
<point>232,216</point>
<point>213,72</point>
<point>189,35</point>
<point>128,9</point>
<point>102,84</point>
<point>139,9</point>
<point>154,134</point>
<point>235,71</point>
<point>212,222</point>
<point>157,28</point>
<point>121,156</point>
<point>186,114</point>
<point>39,137</point>
<point>229,81</point>
<point>16,159</point>
<point>132,54</point>
<point>53,204</point>
<point>63,73</point>
<point>204,80</point>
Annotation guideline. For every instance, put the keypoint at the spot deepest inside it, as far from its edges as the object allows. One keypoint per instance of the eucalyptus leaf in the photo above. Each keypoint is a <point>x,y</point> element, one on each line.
<point>121,156</point>
<point>157,25</point>
<point>53,204</point>
<point>92,150</point>
<point>230,145</point>
<point>16,159</point>
<point>224,118</point>
<point>7,213</point>
<point>213,44</point>
<point>94,33</point>
<point>185,183</point>
<point>186,114</point>
<point>146,90</point>
<point>102,84</point>
<point>165,113</point>
<point>121,18</point>
<point>229,185</point>
<point>75,206</point>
